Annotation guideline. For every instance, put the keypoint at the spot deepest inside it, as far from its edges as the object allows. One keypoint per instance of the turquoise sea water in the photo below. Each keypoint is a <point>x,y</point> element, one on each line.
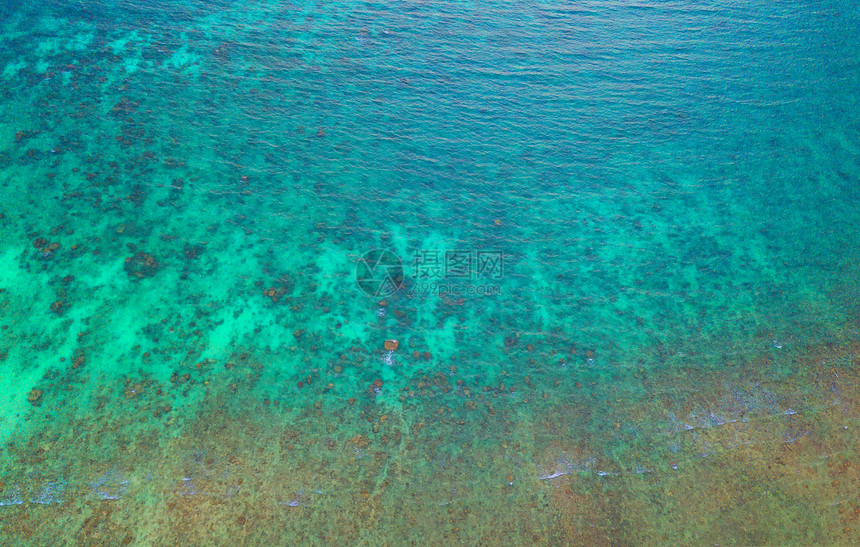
<point>648,212</point>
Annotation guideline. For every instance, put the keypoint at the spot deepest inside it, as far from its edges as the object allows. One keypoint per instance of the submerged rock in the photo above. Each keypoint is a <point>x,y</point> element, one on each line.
<point>391,345</point>
<point>34,396</point>
<point>141,265</point>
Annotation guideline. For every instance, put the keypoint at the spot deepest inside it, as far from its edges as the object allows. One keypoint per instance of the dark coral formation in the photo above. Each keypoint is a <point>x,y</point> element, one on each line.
<point>141,265</point>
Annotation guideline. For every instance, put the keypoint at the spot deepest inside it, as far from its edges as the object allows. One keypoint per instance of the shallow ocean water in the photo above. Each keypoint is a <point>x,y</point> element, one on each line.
<point>627,237</point>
